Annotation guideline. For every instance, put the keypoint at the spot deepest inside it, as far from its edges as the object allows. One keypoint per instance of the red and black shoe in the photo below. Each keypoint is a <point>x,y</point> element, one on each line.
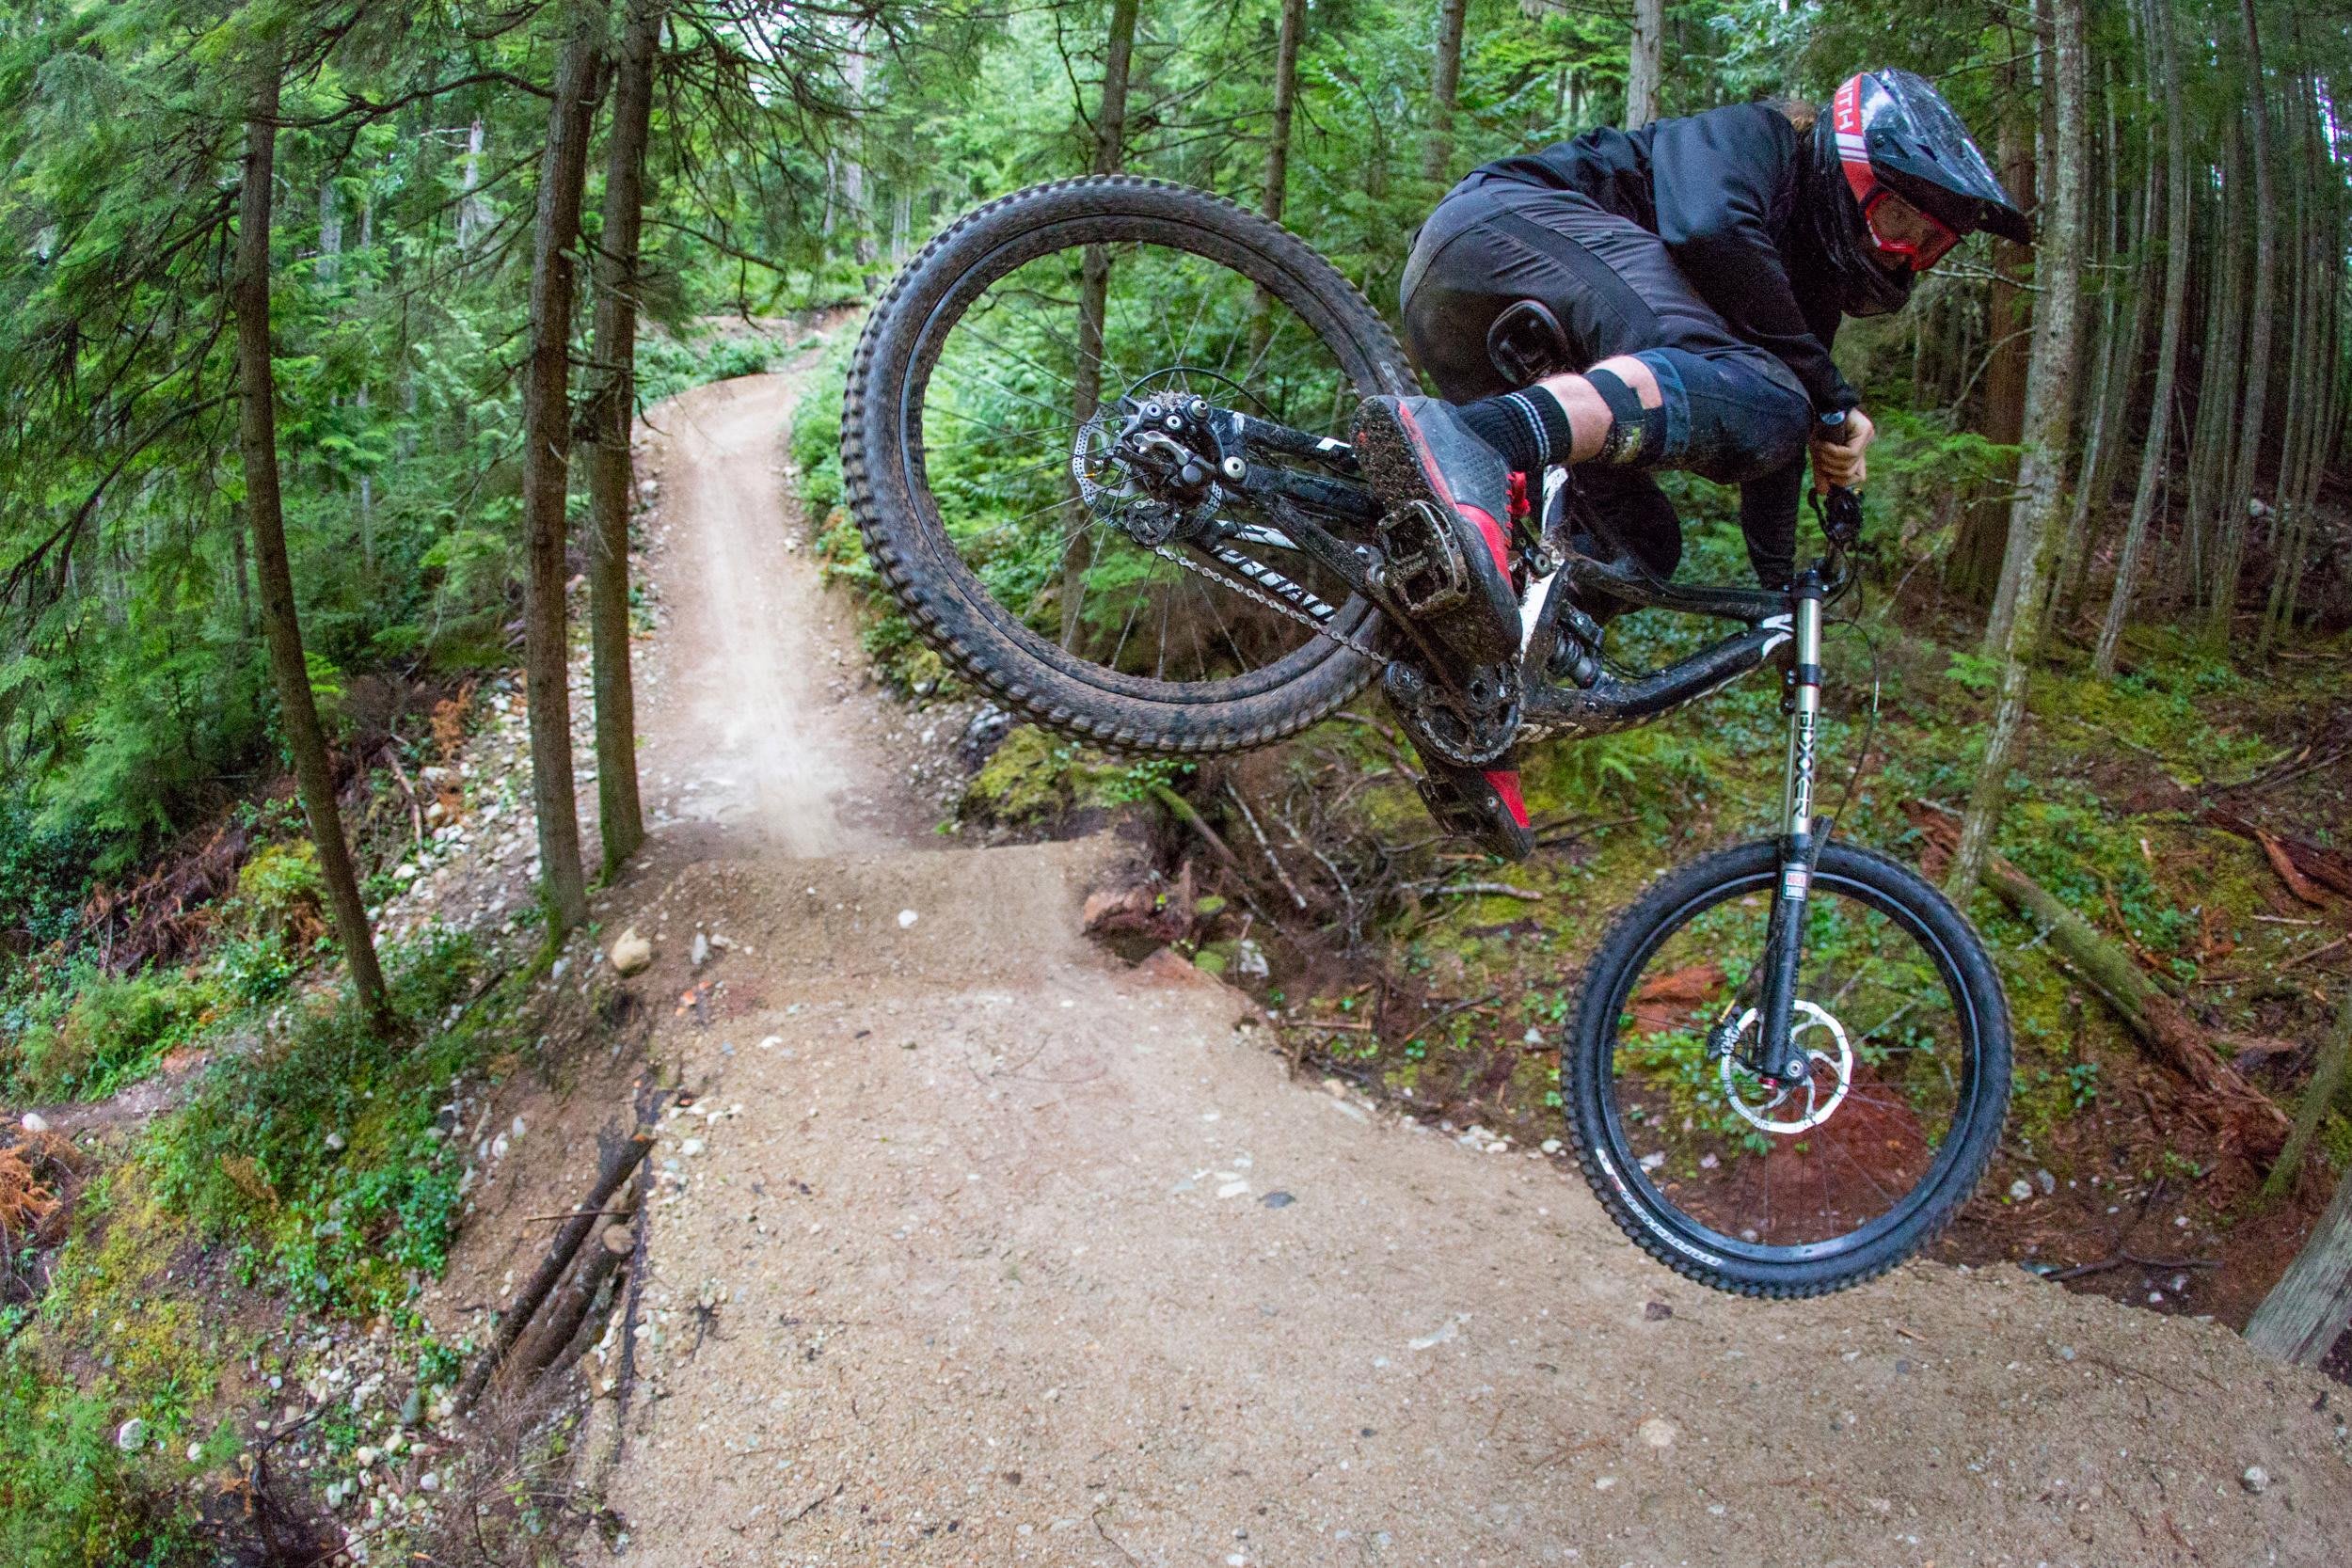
<point>1483,805</point>
<point>1418,450</point>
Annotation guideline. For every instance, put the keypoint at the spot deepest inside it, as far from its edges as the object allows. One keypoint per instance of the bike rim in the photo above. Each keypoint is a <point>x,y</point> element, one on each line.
<point>997,372</point>
<point>1882,1153</point>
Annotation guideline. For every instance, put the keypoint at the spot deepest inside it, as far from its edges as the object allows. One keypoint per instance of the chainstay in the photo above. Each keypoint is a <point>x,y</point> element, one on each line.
<point>1241,584</point>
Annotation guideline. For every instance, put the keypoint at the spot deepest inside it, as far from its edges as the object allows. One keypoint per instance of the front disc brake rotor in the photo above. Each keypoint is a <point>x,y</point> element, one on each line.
<point>1816,1107</point>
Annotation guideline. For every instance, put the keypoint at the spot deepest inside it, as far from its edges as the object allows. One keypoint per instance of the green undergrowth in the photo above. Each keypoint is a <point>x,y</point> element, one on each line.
<point>68,1030</point>
<point>315,1155</point>
<point>304,1173</point>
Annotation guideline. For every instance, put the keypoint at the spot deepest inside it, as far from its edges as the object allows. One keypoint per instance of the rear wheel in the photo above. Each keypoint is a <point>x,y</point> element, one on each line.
<point>1777,1189</point>
<point>972,452</point>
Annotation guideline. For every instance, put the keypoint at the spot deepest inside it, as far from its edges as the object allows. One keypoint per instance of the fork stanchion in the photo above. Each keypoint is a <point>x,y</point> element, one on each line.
<point>1782,1056</point>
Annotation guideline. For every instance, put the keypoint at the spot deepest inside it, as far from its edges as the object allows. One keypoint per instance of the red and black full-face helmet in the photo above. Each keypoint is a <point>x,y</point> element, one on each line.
<point>1920,181</point>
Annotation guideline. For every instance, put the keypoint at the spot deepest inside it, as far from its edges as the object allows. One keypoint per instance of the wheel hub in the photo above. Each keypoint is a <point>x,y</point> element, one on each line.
<point>1150,465</point>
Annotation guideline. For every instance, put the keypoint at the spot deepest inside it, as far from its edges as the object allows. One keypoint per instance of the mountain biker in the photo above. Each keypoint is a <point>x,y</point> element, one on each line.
<point>1698,268</point>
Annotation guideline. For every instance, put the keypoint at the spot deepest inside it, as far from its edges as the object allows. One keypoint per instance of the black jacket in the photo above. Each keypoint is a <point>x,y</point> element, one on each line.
<point>1721,189</point>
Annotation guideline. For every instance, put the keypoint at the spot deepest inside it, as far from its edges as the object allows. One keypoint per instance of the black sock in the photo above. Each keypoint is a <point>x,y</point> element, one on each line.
<point>1529,428</point>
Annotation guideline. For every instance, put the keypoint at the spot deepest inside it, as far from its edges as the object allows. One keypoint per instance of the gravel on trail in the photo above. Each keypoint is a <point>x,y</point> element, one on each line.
<point>977,1245</point>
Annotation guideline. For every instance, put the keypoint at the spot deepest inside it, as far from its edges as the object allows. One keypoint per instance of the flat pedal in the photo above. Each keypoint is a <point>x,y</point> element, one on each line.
<point>1424,572</point>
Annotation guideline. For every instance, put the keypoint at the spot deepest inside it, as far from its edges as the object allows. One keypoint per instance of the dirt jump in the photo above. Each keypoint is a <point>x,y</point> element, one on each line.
<point>978,1245</point>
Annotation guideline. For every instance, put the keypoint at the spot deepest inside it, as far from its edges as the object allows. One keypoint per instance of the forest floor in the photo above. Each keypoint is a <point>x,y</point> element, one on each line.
<point>972,1243</point>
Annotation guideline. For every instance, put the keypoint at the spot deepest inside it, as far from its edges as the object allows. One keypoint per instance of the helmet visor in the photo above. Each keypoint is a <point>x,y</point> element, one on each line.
<point>1898,229</point>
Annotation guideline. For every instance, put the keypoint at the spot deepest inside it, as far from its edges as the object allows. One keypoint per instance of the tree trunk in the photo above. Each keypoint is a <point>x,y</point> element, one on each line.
<point>1094,282</point>
<point>2311,1305</point>
<point>2130,232</point>
<point>2042,468</point>
<point>473,213</point>
<point>1276,194</point>
<point>2217,386</point>
<point>2157,448</point>
<point>1445,87</point>
<point>330,230</point>
<point>611,413</point>
<point>2310,426</point>
<point>1643,61</point>
<point>853,67</point>
<point>2015,553</point>
<point>257,439</point>
<point>2231,554</point>
<point>547,461</point>
<point>2319,1097</point>
<point>1278,146</point>
<point>1974,571</point>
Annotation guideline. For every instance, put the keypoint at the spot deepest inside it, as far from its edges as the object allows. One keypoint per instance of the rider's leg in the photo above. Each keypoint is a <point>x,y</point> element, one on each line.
<point>1614,413</point>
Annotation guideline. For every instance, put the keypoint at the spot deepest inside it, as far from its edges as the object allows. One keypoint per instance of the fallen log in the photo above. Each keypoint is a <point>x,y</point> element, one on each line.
<point>2162,1026</point>
<point>2319,1097</point>
<point>2311,871</point>
<point>615,1169</point>
<point>568,1309</point>
<point>2309,1308</point>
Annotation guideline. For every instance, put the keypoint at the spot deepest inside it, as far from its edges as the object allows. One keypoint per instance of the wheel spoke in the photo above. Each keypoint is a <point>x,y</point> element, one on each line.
<point>989,381</point>
<point>1855,1148</point>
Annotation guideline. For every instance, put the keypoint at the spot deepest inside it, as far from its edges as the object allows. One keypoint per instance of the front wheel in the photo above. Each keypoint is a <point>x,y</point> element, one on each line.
<point>1775,1189</point>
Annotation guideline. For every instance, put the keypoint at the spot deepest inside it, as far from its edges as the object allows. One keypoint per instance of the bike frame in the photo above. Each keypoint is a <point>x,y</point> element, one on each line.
<point>1316,513</point>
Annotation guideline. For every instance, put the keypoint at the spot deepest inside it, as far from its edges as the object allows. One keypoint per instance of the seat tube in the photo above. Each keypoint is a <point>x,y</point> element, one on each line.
<point>1798,848</point>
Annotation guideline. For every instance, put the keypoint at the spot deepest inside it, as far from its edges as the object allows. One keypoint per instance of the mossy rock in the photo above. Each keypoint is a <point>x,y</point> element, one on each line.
<point>1035,777</point>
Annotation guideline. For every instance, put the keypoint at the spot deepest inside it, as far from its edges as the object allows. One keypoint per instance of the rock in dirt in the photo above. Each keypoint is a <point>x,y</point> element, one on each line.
<point>131,1435</point>
<point>630,952</point>
<point>699,954</point>
<point>1437,1335</point>
<point>2256,1478</point>
<point>34,1122</point>
<point>984,734</point>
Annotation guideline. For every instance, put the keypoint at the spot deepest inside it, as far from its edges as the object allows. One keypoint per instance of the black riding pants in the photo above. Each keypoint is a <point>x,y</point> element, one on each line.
<point>1735,414</point>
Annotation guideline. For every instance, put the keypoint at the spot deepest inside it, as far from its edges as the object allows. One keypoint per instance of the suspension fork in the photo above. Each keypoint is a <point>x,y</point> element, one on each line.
<point>1777,1056</point>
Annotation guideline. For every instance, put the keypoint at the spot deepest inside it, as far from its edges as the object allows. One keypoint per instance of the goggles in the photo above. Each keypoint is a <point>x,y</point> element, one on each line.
<point>1898,229</point>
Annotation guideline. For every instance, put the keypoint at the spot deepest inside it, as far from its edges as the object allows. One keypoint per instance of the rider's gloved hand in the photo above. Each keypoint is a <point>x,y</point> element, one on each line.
<point>1837,450</point>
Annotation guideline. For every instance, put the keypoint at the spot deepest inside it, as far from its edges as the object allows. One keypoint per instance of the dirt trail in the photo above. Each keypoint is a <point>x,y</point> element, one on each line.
<point>743,732</point>
<point>979,1246</point>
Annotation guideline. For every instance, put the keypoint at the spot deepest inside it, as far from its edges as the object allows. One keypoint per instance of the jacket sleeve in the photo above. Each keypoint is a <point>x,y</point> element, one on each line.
<point>1726,183</point>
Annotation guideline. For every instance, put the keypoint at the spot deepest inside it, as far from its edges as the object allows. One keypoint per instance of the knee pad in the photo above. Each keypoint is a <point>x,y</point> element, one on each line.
<point>1637,435</point>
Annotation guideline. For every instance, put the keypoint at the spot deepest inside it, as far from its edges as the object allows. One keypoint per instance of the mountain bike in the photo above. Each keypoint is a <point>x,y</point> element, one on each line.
<point>1096,437</point>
